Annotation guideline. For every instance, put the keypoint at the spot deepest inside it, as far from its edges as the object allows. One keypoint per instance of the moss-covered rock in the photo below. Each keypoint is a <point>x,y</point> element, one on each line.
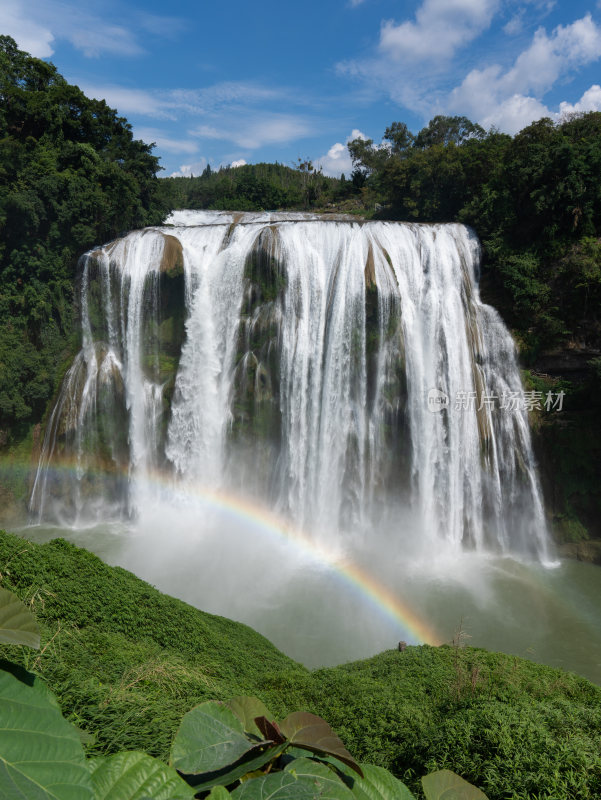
<point>256,425</point>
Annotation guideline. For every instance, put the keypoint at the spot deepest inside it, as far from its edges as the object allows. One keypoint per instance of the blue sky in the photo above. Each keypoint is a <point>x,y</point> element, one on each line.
<point>265,81</point>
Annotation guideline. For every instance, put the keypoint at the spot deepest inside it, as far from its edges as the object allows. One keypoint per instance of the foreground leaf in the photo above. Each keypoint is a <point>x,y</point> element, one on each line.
<point>446,785</point>
<point>41,757</point>
<point>247,709</point>
<point>313,733</point>
<point>250,762</point>
<point>277,786</point>
<point>303,779</point>
<point>377,783</point>
<point>17,623</point>
<point>133,776</point>
<point>210,738</point>
<point>269,730</point>
<point>325,780</point>
<point>219,793</point>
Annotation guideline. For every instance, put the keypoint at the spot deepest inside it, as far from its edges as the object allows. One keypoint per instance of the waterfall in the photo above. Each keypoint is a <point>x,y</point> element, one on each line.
<point>345,373</point>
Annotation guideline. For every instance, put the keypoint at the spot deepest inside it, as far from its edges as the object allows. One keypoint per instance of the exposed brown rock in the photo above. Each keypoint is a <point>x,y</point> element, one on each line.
<point>370,268</point>
<point>172,262</point>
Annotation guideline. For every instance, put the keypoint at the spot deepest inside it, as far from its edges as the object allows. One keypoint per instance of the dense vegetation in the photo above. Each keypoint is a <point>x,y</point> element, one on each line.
<point>534,199</point>
<point>71,176</point>
<point>126,663</point>
<point>222,749</point>
<point>257,187</point>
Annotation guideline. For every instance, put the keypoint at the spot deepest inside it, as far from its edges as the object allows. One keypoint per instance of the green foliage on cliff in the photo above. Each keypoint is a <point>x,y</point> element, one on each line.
<point>236,744</point>
<point>256,187</point>
<point>71,176</point>
<point>534,200</point>
<point>127,662</point>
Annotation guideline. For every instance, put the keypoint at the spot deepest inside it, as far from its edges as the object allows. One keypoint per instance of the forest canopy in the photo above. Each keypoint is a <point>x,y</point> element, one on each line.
<point>534,200</point>
<point>71,176</point>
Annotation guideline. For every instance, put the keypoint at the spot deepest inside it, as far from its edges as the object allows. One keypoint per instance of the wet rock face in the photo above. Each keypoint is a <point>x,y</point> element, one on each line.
<point>172,262</point>
<point>582,551</point>
<point>571,362</point>
<point>256,425</point>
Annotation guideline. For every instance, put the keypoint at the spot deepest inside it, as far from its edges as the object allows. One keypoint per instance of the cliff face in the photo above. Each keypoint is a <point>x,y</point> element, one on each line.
<point>567,442</point>
<point>568,447</point>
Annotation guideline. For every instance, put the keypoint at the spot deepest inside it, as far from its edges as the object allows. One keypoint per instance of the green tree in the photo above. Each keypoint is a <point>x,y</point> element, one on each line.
<point>71,176</point>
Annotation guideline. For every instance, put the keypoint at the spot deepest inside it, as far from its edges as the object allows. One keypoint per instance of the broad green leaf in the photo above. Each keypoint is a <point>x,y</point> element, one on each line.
<point>288,785</point>
<point>41,757</point>
<point>133,776</point>
<point>326,781</point>
<point>446,785</point>
<point>313,733</point>
<point>209,738</point>
<point>376,784</point>
<point>277,786</point>
<point>219,793</point>
<point>232,773</point>
<point>246,709</point>
<point>17,623</point>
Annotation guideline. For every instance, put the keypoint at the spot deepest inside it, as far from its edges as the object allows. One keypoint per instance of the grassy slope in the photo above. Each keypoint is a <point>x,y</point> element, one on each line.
<point>127,661</point>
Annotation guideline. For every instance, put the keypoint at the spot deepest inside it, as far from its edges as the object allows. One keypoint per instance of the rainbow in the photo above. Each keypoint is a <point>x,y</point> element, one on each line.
<point>356,577</point>
<point>247,511</point>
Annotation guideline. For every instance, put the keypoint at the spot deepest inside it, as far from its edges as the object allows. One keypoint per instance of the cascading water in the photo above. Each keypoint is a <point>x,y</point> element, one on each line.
<point>308,424</point>
<point>293,358</point>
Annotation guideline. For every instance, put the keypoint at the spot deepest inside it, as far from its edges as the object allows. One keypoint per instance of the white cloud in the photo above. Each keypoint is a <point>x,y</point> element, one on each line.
<point>515,113</point>
<point>36,25</point>
<point>29,36</point>
<point>441,27</point>
<point>513,98</point>
<point>515,24</point>
<point>223,94</point>
<point>548,57</point>
<point>413,55</point>
<point>166,27</point>
<point>132,101</point>
<point>210,101</point>
<point>590,101</point>
<point>94,38</point>
<point>337,160</point>
<point>165,142</point>
<point>190,170</point>
<point>252,131</point>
